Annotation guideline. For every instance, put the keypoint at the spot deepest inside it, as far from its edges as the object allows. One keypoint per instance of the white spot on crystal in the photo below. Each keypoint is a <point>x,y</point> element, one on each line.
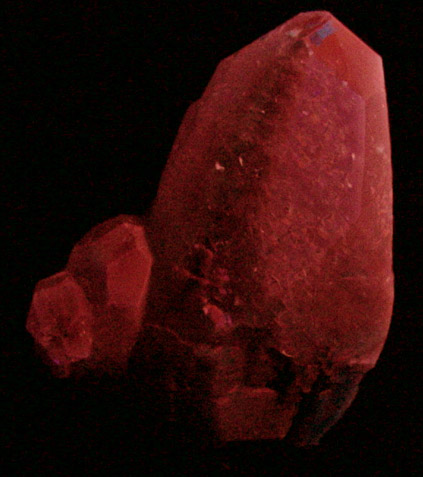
<point>294,33</point>
<point>345,83</point>
<point>380,149</point>
<point>241,161</point>
<point>219,167</point>
<point>228,318</point>
<point>349,185</point>
<point>353,156</point>
<point>306,113</point>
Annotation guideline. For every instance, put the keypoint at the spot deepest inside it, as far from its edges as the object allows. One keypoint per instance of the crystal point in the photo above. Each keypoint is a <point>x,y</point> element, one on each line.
<point>281,173</point>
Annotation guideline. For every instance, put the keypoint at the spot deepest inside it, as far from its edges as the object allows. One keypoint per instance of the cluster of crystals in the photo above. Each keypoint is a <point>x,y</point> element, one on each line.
<point>272,288</point>
<point>91,313</point>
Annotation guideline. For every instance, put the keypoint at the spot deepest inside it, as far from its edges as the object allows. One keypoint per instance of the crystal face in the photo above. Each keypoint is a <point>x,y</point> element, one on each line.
<point>271,289</point>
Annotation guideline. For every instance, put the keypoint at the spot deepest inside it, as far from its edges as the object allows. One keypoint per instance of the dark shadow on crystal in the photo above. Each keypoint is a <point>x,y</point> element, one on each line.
<point>320,409</point>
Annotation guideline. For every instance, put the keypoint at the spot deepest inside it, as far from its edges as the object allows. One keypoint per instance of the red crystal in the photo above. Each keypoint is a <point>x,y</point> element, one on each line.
<point>271,290</point>
<point>61,320</point>
<point>280,180</point>
<point>93,311</point>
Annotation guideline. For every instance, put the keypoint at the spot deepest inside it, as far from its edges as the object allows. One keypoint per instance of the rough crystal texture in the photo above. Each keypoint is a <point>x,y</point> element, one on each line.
<point>92,312</point>
<point>272,230</point>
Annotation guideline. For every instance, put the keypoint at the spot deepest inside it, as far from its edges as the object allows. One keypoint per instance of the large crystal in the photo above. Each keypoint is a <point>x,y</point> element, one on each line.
<point>272,230</point>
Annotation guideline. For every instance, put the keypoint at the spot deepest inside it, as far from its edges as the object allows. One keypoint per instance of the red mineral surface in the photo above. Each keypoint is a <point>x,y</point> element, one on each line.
<point>92,312</point>
<point>272,231</point>
<point>60,319</point>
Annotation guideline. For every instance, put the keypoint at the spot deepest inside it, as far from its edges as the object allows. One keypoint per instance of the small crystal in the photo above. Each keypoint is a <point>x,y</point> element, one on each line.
<point>92,312</point>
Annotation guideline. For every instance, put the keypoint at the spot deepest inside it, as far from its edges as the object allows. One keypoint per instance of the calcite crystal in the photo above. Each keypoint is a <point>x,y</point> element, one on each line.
<point>89,315</point>
<point>272,231</point>
<point>271,289</point>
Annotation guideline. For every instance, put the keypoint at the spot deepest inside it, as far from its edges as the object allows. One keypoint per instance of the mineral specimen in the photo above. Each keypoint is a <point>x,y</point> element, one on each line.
<point>271,289</point>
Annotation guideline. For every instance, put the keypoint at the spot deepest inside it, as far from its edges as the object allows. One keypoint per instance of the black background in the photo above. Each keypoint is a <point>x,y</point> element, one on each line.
<point>95,93</point>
